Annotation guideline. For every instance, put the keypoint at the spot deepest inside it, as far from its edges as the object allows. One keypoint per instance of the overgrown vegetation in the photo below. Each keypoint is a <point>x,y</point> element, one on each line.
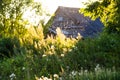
<point>46,57</point>
<point>108,11</point>
<point>29,55</point>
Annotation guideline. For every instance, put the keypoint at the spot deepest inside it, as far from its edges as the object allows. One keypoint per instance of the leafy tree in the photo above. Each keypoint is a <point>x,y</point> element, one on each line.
<point>107,10</point>
<point>12,25</point>
<point>11,11</point>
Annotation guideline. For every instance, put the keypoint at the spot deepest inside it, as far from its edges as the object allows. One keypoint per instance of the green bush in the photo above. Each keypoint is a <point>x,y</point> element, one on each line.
<point>28,66</point>
<point>12,66</point>
<point>9,46</point>
<point>103,50</point>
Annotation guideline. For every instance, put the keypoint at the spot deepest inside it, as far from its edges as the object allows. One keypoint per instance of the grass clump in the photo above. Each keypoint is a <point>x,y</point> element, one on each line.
<point>100,74</point>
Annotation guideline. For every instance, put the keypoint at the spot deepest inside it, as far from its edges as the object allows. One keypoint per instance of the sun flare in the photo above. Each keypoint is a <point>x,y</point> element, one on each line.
<point>50,6</point>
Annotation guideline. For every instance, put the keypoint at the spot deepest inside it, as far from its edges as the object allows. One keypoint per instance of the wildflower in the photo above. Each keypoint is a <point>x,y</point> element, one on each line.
<point>43,78</point>
<point>12,76</point>
<point>62,55</point>
<point>56,76</point>
<point>52,47</point>
<point>43,55</point>
<point>86,71</point>
<point>74,73</point>
<point>60,78</point>
<point>79,73</point>
<point>97,67</point>
<point>70,50</point>
<point>23,68</point>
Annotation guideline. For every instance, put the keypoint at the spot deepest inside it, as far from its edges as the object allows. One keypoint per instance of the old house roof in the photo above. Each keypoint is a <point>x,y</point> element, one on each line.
<point>71,22</point>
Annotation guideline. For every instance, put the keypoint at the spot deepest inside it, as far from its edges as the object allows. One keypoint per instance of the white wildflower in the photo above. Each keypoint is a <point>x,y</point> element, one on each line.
<point>86,71</point>
<point>44,55</point>
<point>60,78</point>
<point>79,73</point>
<point>12,76</point>
<point>62,55</point>
<point>40,79</point>
<point>97,67</point>
<point>56,76</point>
<point>23,68</point>
<point>44,78</point>
<point>74,73</point>
<point>70,50</point>
<point>52,47</point>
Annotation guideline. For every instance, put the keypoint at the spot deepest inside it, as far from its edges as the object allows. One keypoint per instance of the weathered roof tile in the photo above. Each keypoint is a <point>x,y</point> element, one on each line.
<point>71,22</point>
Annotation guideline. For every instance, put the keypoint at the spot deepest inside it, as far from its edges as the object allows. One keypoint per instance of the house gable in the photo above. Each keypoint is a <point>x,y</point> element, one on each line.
<point>71,22</point>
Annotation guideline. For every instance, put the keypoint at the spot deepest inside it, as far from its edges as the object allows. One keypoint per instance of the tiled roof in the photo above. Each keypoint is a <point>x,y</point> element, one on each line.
<point>71,22</point>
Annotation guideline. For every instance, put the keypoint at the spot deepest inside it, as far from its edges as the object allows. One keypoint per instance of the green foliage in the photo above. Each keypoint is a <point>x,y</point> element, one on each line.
<point>9,47</point>
<point>103,50</point>
<point>31,55</point>
<point>108,12</point>
<point>39,56</point>
<point>98,74</point>
<point>11,12</point>
<point>12,27</point>
<point>12,66</point>
<point>46,57</point>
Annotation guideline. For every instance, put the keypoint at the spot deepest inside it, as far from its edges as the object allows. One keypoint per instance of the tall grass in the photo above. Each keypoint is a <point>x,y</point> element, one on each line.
<point>100,74</point>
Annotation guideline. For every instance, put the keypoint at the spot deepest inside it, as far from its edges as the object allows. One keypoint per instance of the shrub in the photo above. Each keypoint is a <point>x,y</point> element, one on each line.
<point>9,46</point>
<point>103,50</point>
